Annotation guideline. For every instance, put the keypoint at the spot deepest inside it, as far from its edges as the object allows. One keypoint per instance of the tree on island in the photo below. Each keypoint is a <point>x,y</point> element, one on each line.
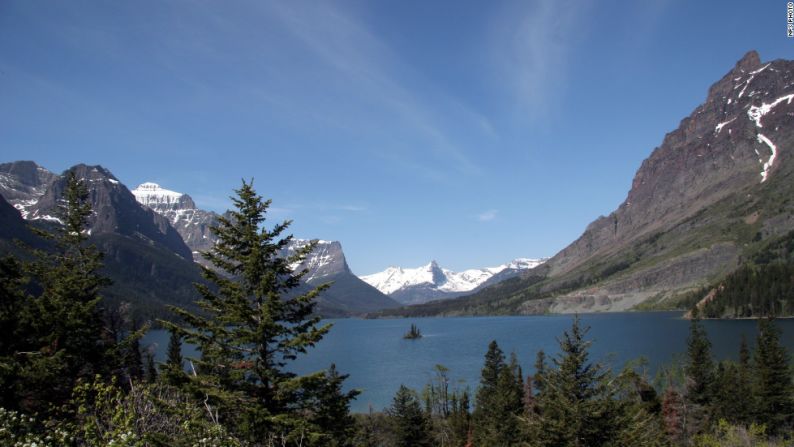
<point>253,324</point>
<point>413,333</point>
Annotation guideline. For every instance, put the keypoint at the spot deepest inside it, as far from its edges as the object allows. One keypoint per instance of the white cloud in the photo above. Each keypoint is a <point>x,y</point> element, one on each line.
<point>487,216</point>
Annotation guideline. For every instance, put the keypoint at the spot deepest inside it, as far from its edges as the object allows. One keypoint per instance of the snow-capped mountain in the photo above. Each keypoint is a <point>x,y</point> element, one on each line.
<point>325,260</point>
<point>431,282</point>
<point>191,222</point>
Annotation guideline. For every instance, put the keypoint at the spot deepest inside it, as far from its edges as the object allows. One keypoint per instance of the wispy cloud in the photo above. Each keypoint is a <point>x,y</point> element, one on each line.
<point>487,216</point>
<point>352,208</point>
<point>383,81</point>
<point>531,48</point>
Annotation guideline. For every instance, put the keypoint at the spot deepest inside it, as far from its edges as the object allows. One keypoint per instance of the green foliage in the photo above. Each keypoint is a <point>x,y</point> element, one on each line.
<point>57,336</point>
<point>19,430</point>
<point>727,435</point>
<point>252,327</point>
<point>498,401</point>
<point>411,427</point>
<point>577,406</point>
<point>754,290</point>
<point>700,366</point>
<point>774,406</point>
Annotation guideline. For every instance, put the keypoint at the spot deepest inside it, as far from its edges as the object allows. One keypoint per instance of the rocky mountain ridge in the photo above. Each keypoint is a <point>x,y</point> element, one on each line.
<point>141,234</point>
<point>192,223</point>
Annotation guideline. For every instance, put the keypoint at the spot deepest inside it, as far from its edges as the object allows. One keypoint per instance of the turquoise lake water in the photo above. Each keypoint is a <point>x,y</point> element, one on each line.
<point>378,359</point>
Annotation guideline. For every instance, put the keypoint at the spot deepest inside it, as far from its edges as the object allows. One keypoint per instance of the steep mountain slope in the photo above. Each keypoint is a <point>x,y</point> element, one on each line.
<point>145,257</point>
<point>431,282</point>
<point>717,188</point>
<point>192,223</point>
<point>348,295</point>
<point>13,228</point>
<point>22,183</point>
<point>115,210</point>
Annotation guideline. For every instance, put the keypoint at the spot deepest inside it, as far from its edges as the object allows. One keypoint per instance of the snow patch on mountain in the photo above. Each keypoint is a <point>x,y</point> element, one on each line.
<point>152,194</point>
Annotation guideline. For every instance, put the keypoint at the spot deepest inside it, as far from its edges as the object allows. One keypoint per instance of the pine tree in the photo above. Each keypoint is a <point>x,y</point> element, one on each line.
<point>331,410</point>
<point>743,388</point>
<point>498,402</point>
<point>253,324</point>
<point>699,371</point>
<point>411,427</point>
<point>725,396</point>
<point>576,404</point>
<point>65,333</point>
<point>460,419</point>
<point>173,370</point>
<point>540,370</point>
<point>151,368</point>
<point>484,425</point>
<point>13,308</point>
<point>773,387</point>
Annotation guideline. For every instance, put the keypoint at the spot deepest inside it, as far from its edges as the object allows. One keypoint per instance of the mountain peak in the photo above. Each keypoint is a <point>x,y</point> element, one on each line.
<point>749,62</point>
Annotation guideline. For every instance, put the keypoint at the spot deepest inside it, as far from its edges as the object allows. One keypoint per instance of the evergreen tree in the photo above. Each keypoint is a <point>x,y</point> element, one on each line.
<point>540,370</point>
<point>330,411</point>
<point>699,371</point>
<point>173,371</point>
<point>64,334</point>
<point>460,419</point>
<point>576,404</point>
<point>132,357</point>
<point>13,307</point>
<point>487,419</point>
<point>743,389</point>
<point>773,387</point>
<point>529,398</point>
<point>151,368</point>
<point>411,427</point>
<point>253,324</point>
<point>725,398</point>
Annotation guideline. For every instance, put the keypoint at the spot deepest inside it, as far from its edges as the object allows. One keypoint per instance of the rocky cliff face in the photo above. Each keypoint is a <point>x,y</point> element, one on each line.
<point>327,259</point>
<point>115,210</point>
<point>731,142</point>
<point>22,183</point>
<point>192,223</point>
<point>681,221</point>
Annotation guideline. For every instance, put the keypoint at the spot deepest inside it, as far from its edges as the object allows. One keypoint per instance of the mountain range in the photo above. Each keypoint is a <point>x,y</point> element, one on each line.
<point>716,191</point>
<point>713,195</point>
<point>150,238</point>
<point>431,282</point>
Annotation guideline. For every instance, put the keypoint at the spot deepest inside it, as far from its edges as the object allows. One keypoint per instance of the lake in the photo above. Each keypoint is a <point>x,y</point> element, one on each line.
<point>378,359</point>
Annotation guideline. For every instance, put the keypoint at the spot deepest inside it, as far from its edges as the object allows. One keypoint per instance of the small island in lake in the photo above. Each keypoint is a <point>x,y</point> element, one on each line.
<point>413,334</point>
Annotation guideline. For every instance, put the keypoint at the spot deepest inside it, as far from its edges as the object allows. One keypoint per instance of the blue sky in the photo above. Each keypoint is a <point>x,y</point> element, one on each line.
<point>467,132</point>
